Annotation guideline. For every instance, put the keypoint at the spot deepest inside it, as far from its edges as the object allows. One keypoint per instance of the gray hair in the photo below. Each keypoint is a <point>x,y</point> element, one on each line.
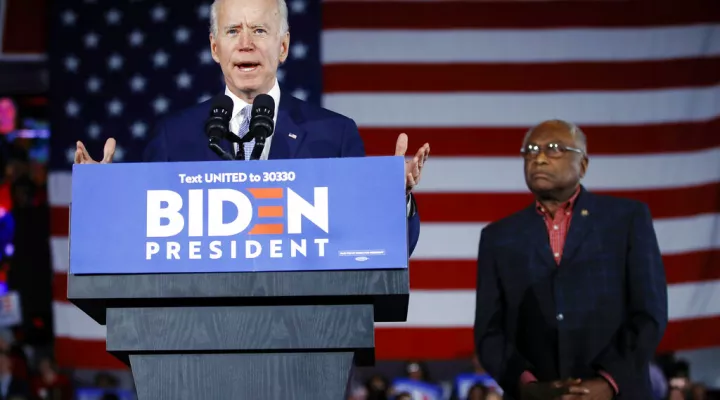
<point>574,130</point>
<point>282,7</point>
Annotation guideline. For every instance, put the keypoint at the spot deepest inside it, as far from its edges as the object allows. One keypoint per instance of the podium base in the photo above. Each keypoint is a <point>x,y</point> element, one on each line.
<point>257,376</point>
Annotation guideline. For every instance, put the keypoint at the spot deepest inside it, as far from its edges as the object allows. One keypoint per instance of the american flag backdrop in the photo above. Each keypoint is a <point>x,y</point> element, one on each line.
<point>470,77</point>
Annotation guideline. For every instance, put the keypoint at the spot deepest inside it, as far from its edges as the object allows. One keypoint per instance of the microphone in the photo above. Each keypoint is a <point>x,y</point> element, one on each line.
<point>261,123</point>
<point>218,124</point>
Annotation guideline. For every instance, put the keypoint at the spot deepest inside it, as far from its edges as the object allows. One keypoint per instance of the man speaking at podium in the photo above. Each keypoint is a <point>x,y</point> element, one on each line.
<point>249,39</point>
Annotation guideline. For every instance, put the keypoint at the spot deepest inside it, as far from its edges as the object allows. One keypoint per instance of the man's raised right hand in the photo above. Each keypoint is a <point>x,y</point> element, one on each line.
<point>82,156</point>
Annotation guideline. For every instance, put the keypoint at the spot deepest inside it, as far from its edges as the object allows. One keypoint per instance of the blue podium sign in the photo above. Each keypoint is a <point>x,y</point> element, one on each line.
<point>238,216</point>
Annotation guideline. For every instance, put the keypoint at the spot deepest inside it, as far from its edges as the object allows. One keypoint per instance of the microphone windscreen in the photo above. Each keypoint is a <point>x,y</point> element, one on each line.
<point>222,102</point>
<point>264,101</point>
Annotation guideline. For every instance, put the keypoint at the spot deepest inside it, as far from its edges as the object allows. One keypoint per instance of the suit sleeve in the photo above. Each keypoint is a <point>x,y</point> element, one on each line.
<point>635,342</point>
<point>352,146</point>
<point>156,149</point>
<point>496,352</point>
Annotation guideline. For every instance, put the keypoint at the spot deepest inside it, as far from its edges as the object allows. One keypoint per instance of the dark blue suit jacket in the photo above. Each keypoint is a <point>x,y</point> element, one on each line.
<point>319,133</point>
<point>603,308</point>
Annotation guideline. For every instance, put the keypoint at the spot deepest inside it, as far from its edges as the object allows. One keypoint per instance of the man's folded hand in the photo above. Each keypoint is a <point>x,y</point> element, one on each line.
<point>566,389</point>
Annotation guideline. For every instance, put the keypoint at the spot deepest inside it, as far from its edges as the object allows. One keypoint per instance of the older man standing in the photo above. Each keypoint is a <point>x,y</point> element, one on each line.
<point>571,291</point>
<point>249,39</point>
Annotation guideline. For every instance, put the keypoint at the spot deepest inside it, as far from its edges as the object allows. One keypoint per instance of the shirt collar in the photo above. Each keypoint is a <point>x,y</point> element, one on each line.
<point>239,104</point>
<point>568,205</point>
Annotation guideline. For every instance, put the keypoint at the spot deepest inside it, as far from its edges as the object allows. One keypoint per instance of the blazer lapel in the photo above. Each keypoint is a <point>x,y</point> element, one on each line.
<point>538,237</point>
<point>580,226</point>
<point>288,134</point>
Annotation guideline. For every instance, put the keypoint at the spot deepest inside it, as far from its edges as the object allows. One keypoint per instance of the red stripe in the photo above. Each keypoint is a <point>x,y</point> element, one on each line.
<point>612,140</point>
<point>461,274</point>
<point>84,354</point>
<point>521,77</point>
<point>59,286</point>
<point>406,343</point>
<point>488,207</point>
<point>519,15</point>
<point>25,27</point>
<point>453,343</point>
<point>59,220</point>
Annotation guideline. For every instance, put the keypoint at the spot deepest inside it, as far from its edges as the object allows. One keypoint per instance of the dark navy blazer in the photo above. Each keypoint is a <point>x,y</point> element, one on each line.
<point>318,133</point>
<point>604,307</point>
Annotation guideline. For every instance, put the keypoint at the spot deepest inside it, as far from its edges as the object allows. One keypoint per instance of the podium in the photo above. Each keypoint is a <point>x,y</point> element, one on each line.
<point>233,280</point>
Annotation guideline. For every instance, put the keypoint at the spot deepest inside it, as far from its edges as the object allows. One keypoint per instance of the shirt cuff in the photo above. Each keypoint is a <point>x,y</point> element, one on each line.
<point>408,207</point>
<point>610,380</point>
<point>527,377</point>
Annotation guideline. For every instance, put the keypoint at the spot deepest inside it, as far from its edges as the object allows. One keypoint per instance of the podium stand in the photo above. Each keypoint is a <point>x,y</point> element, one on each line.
<point>241,280</point>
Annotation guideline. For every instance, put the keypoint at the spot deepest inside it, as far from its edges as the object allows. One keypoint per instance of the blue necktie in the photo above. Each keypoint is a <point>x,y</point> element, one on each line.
<point>243,130</point>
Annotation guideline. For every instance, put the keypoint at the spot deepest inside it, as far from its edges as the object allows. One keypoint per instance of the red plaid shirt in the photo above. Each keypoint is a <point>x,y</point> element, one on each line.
<point>558,227</point>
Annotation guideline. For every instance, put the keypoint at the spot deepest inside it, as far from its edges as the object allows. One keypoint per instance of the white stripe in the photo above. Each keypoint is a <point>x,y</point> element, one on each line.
<point>59,188</point>
<point>374,46</point>
<point>432,309</point>
<point>60,251</point>
<point>22,57</point>
<point>504,174</point>
<point>526,109</point>
<point>459,241</point>
<point>617,172</point>
<point>71,322</point>
<point>694,300</point>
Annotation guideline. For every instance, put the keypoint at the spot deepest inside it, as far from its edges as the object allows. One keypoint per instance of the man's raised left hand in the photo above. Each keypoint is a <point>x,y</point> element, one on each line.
<point>413,168</point>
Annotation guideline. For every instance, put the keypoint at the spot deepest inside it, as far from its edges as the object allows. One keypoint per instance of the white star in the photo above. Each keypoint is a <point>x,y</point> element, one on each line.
<point>68,18</point>
<point>93,84</point>
<point>280,75</point>
<point>94,131</point>
<point>136,38</point>
<point>203,11</point>
<point>183,80</point>
<point>115,107</point>
<point>299,50</point>
<point>70,154</point>
<point>300,94</point>
<point>297,6</point>
<point>72,63</point>
<point>160,58</point>
<point>204,97</point>
<point>158,13</point>
<point>91,39</point>
<point>160,104</point>
<point>138,130</point>
<point>205,57</point>
<point>115,62</point>
<point>137,83</point>
<point>182,35</point>
<point>72,108</point>
<point>113,17</point>
<point>119,153</point>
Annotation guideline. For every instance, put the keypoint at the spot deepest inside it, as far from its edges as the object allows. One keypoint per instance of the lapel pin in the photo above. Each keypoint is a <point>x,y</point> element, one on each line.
<point>584,213</point>
<point>292,135</point>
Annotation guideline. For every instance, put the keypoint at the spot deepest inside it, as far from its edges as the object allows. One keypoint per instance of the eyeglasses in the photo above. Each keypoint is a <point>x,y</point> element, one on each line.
<point>551,150</point>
